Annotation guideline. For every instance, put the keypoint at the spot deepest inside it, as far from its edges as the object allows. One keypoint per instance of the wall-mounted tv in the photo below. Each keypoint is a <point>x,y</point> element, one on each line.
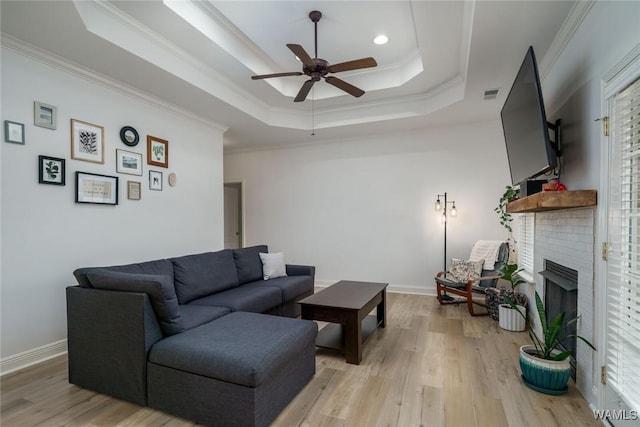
<point>530,150</point>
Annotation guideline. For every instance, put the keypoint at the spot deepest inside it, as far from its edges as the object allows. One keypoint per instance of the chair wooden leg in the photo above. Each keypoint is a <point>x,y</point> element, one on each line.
<point>471,310</point>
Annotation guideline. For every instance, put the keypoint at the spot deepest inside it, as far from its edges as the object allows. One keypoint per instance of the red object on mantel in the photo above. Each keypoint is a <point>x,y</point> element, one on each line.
<point>554,185</point>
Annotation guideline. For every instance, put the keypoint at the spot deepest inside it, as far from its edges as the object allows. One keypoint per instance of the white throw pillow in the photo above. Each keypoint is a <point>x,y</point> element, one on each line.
<point>273,265</point>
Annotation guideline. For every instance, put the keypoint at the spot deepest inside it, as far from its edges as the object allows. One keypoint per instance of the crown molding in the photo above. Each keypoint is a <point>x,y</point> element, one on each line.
<point>69,67</point>
<point>574,20</point>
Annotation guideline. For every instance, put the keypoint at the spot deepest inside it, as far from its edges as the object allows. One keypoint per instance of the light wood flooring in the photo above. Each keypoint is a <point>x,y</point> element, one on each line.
<point>431,366</point>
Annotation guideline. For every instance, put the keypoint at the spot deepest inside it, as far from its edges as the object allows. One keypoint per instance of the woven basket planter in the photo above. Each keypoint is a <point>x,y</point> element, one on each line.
<point>493,297</point>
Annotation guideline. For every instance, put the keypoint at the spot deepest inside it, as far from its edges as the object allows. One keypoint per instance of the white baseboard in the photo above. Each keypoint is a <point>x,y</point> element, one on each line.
<point>390,288</point>
<point>31,357</point>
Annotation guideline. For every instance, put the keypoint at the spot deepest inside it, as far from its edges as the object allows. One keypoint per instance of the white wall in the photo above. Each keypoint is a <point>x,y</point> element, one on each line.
<point>363,209</point>
<point>45,235</point>
<point>572,90</point>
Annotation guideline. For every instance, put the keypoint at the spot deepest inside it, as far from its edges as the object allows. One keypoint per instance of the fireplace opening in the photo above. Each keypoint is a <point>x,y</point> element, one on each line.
<point>561,294</point>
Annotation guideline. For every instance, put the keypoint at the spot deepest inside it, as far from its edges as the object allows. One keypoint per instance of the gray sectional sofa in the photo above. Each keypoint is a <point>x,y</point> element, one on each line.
<point>201,336</point>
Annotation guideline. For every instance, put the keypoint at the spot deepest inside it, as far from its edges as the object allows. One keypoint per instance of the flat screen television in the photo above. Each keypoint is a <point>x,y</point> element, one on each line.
<point>530,150</point>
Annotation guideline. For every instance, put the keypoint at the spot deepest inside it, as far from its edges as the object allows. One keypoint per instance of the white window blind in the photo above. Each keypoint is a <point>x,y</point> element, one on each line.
<point>623,267</point>
<point>525,244</point>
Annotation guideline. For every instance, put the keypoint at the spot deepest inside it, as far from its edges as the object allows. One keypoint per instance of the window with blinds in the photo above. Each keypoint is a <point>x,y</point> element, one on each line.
<point>525,245</point>
<point>623,266</point>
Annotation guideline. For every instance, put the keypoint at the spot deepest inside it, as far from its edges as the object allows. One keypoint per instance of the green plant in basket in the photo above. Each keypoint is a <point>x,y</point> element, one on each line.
<point>509,272</point>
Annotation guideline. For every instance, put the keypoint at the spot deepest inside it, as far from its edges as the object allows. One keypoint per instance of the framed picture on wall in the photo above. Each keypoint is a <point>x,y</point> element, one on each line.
<point>13,132</point>
<point>98,189</point>
<point>128,162</point>
<point>51,170</point>
<point>44,115</point>
<point>134,190</point>
<point>155,180</point>
<point>157,151</point>
<point>87,141</point>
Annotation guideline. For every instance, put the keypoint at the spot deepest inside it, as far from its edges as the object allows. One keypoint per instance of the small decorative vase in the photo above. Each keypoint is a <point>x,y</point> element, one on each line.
<point>545,376</point>
<point>510,319</point>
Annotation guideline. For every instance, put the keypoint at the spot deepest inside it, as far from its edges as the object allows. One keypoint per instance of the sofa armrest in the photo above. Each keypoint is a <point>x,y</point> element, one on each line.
<point>109,335</point>
<point>301,270</point>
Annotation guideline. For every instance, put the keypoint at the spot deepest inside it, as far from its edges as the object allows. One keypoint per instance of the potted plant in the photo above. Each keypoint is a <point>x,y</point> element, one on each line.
<point>495,297</point>
<point>510,194</point>
<point>510,318</point>
<point>545,365</point>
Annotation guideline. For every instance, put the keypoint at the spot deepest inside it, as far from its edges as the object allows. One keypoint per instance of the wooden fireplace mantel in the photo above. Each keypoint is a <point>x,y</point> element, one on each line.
<point>554,200</point>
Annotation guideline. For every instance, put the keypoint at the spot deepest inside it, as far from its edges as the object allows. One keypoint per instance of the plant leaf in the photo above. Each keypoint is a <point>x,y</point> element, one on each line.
<point>562,356</point>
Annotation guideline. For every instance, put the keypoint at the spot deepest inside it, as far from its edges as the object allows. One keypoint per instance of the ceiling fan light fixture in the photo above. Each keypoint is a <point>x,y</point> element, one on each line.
<point>381,39</point>
<point>317,68</point>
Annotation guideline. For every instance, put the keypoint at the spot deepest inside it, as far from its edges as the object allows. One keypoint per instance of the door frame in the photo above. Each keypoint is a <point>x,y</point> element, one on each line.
<point>619,76</point>
<point>239,185</point>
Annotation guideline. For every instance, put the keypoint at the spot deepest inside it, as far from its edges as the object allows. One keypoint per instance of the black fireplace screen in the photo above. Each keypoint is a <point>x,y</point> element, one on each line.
<point>561,295</point>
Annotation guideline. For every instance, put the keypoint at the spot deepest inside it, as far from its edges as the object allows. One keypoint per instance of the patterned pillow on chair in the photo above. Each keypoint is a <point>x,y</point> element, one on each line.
<point>462,270</point>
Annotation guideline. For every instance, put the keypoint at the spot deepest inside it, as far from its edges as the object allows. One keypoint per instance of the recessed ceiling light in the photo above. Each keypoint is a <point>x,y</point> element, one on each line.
<point>381,39</point>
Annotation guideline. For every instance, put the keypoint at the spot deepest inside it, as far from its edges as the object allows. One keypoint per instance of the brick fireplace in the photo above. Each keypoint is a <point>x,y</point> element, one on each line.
<point>567,238</point>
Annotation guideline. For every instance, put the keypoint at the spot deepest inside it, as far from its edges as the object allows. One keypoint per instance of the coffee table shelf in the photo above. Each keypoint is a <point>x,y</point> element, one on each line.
<point>347,304</point>
<point>332,336</point>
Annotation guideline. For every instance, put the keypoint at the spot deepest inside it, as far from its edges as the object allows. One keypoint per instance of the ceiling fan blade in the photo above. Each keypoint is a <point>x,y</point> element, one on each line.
<point>302,55</point>
<point>304,90</point>
<point>353,65</point>
<point>268,76</point>
<point>341,84</point>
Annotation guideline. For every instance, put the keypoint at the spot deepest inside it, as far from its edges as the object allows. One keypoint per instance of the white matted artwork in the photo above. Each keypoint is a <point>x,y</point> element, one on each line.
<point>155,180</point>
<point>44,115</point>
<point>87,141</point>
<point>98,189</point>
<point>13,132</point>
<point>128,162</point>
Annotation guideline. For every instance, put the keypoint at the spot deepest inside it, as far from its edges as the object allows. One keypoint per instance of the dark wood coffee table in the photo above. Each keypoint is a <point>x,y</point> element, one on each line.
<point>346,305</point>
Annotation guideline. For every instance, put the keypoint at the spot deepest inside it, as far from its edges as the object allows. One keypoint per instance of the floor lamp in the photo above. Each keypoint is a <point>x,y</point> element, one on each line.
<point>442,206</point>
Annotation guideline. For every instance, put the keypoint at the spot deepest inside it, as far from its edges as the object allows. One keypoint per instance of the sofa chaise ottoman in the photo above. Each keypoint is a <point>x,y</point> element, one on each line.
<point>202,336</point>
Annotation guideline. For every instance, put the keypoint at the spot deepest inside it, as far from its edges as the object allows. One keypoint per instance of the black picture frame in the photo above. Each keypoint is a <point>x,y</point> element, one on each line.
<point>129,136</point>
<point>51,170</point>
<point>96,189</point>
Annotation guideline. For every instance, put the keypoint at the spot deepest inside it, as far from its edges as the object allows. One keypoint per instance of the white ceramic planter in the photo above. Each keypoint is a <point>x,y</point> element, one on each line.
<point>510,319</point>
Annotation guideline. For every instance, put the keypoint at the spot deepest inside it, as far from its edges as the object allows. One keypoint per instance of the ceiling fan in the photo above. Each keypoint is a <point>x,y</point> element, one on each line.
<point>318,68</point>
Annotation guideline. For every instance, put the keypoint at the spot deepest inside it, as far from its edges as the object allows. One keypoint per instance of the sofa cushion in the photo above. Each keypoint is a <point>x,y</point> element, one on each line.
<point>239,348</point>
<point>196,315</point>
<point>272,265</point>
<point>290,286</point>
<point>159,288</point>
<point>202,274</point>
<point>248,263</point>
<point>161,267</point>
<point>255,300</point>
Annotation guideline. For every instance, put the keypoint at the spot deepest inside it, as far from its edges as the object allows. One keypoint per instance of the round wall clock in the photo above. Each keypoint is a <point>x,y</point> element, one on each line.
<point>129,136</point>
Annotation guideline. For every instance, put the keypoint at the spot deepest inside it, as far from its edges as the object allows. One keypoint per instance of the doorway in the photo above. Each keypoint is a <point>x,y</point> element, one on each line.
<point>233,214</point>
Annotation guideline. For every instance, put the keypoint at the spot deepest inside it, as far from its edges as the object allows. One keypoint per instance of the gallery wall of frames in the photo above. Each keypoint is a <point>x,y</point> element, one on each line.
<point>93,173</point>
